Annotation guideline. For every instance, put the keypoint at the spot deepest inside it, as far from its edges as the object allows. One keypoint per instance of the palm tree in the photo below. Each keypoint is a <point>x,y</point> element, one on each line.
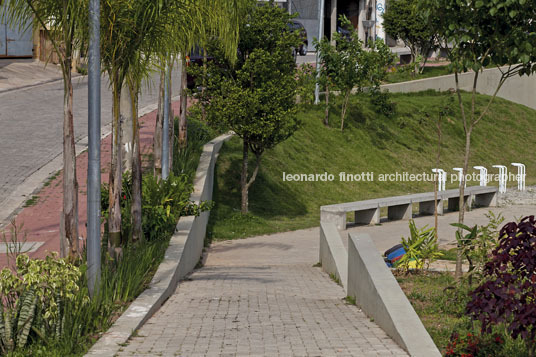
<point>208,19</point>
<point>64,22</point>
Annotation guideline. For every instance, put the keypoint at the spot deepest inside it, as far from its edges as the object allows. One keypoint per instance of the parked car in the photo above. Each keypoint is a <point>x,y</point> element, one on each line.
<point>298,26</point>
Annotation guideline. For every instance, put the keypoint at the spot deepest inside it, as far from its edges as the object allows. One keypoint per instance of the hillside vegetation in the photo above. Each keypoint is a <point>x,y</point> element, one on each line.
<point>372,143</point>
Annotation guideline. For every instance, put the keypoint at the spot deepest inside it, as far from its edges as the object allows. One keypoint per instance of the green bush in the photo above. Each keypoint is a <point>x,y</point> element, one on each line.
<point>34,297</point>
<point>382,103</point>
<point>421,247</point>
<point>163,203</point>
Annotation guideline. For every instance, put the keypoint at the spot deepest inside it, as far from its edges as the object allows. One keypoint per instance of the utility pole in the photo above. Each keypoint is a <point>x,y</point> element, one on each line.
<point>94,138</point>
<point>320,34</point>
<point>165,126</point>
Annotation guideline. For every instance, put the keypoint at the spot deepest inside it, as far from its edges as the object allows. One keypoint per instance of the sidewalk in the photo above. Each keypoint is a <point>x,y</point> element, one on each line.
<point>261,296</point>
<point>22,73</point>
<point>40,221</point>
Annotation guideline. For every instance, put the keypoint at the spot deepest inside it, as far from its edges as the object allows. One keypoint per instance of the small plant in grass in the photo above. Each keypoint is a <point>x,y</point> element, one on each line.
<point>421,248</point>
<point>382,103</point>
<point>306,83</point>
<point>508,293</point>
<point>335,279</point>
<point>350,300</point>
<point>478,243</point>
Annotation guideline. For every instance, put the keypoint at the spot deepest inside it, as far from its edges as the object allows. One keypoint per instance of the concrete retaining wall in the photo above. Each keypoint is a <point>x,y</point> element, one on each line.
<point>516,89</point>
<point>378,294</point>
<point>184,251</point>
<point>333,255</point>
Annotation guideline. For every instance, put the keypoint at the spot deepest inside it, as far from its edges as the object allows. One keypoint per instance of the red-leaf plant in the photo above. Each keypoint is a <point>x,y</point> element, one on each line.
<point>508,292</point>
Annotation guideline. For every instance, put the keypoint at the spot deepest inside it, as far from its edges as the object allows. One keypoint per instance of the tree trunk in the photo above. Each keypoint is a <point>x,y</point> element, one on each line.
<point>183,124</point>
<point>127,133</point>
<point>114,216</point>
<point>171,120</point>
<point>326,115</point>
<point>244,178</point>
<point>436,181</point>
<point>137,231</point>
<point>344,107</point>
<point>461,204</point>
<point>413,51</point>
<point>157,139</point>
<point>69,218</point>
<point>203,110</point>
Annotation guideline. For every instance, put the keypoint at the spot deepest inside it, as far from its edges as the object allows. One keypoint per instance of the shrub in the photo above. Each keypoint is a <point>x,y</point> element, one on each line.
<point>163,202</point>
<point>508,293</point>
<point>421,247</point>
<point>34,297</point>
<point>477,245</point>
<point>306,83</point>
<point>382,103</point>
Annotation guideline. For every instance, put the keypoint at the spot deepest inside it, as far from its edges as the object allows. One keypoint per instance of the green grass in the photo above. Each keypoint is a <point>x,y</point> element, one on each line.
<point>440,303</point>
<point>31,202</point>
<point>51,178</point>
<point>449,254</point>
<point>403,74</point>
<point>369,143</point>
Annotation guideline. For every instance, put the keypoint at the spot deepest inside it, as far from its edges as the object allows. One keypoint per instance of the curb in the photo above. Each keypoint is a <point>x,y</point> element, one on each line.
<point>184,251</point>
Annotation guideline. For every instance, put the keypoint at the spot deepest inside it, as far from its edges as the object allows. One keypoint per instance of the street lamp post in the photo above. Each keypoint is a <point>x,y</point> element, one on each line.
<point>165,126</point>
<point>94,130</point>
<point>320,33</point>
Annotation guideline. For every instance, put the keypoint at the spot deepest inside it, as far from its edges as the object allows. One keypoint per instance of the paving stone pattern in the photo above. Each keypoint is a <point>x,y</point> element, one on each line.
<point>31,122</point>
<point>261,297</point>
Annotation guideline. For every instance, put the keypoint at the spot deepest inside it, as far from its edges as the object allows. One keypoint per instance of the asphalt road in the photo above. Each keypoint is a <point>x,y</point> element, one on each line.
<point>31,122</point>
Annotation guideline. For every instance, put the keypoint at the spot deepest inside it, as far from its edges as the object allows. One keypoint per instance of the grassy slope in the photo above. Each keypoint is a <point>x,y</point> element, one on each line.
<point>370,142</point>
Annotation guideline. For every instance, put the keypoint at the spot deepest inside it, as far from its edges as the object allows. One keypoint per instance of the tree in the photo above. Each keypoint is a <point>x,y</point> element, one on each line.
<point>64,22</point>
<point>206,20</point>
<point>501,34</point>
<point>256,96</point>
<point>126,26</point>
<point>349,66</point>
<point>135,33</point>
<point>404,20</point>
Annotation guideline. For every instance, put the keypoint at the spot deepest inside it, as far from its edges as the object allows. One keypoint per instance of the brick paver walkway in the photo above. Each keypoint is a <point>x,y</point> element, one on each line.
<point>261,297</point>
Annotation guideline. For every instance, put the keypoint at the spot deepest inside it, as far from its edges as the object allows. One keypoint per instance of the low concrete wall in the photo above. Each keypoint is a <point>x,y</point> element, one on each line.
<point>378,294</point>
<point>516,89</point>
<point>184,251</point>
<point>333,253</point>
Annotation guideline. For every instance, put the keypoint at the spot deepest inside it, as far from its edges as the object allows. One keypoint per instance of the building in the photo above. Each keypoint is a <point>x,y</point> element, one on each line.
<point>16,41</point>
<point>365,16</point>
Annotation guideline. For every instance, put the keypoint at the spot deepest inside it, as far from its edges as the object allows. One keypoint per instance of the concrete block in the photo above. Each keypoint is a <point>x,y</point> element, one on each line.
<point>336,217</point>
<point>182,255</point>
<point>369,216</point>
<point>378,294</point>
<point>428,207</point>
<point>454,203</point>
<point>399,212</point>
<point>333,254</point>
<point>486,199</point>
